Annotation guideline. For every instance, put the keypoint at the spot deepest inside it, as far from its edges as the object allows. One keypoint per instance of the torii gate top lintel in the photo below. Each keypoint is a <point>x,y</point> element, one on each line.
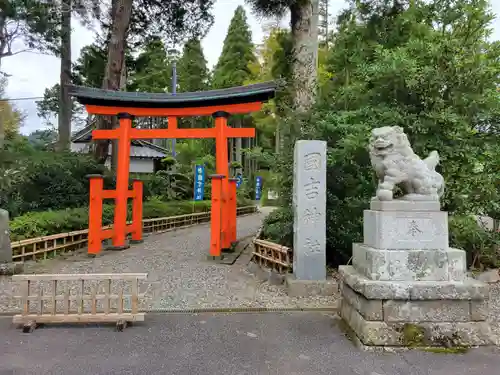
<point>234,100</point>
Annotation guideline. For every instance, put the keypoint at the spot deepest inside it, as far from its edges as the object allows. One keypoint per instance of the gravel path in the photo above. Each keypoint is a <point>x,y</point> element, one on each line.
<point>179,274</point>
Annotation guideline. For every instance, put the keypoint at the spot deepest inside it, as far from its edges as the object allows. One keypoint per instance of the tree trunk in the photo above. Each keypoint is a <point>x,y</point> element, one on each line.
<point>114,143</point>
<point>304,23</point>
<point>65,102</point>
<point>120,13</point>
<point>3,45</point>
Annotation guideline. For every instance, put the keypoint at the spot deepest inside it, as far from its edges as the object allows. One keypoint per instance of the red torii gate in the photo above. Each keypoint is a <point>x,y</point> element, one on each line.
<point>127,105</point>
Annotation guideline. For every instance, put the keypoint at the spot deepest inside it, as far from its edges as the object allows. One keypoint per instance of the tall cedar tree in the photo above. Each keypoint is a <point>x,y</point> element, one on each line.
<point>192,68</point>
<point>233,69</point>
<point>152,69</point>
<point>193,75</point>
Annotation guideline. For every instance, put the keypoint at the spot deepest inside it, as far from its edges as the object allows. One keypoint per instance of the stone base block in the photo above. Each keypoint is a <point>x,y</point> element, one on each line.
<point>135,242</point>
<point>215,258</point>
<point>405,229</point>
<point>382,333</point>
<point>409,265</point>
<point>404,205</point>
<point>11,268</point>
<point>420,313</point>
<point>306,288</point>
<point>109,246</point>
<point>469,289</point>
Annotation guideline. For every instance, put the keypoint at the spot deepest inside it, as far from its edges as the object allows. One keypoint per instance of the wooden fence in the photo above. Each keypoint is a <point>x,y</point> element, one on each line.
<point>273,256</point>
<point>49,246</point>
<point>74,309</point>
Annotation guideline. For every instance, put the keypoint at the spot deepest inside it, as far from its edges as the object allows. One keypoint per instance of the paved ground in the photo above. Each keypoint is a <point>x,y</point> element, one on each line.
<point>220,344</point>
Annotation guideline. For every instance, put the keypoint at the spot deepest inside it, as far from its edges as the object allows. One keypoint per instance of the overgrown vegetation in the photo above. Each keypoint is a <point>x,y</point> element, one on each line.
<point>429,68</point>
<point>37,224</point>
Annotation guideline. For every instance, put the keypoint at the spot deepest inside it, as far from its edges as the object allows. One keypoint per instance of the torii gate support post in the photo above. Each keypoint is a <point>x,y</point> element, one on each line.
<point>233,207</point>
<point>216,216</point>
<point>222,168</point>
<point>95,214</point>
<point>136,231</point>
<point>122,181</point>
<point>97,194</point>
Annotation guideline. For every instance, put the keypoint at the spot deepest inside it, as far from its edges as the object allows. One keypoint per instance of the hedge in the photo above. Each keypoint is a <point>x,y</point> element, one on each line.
<point>37,224</point>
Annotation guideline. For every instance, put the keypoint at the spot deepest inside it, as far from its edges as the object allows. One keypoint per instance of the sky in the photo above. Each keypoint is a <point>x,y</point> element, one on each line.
<point>32,73</point>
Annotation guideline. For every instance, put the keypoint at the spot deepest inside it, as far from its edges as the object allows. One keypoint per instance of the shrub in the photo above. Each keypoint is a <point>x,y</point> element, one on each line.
<point>155,207</point>
<point>278,226</point>
<point>37,224</point>
<point>481,245</point>
<point>50,181</point>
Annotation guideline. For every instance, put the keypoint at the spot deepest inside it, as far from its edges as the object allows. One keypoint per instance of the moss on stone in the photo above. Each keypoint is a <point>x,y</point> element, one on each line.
<point>441,350</point>
<point>413,335</point>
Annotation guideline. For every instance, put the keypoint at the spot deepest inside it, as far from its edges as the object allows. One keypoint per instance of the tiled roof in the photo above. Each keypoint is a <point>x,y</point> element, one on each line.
<point>144,151</point>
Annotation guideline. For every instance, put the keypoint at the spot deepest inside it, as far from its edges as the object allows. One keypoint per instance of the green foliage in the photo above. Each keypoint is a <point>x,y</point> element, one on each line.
<point>30,23</point>
<point>481,245</point>
<point>36,224</point>
<point>233,67</point>
<point>152,69</point>
<point>278,226</point>
<point>172,21</point>
<point>192,68</point>
<point>11,118</point>
<point>427,68</point>
<point>43,139</point>
<point>47,180</point>
<point>272,8</point>
<point>193,75</point>
<point>166,184</point>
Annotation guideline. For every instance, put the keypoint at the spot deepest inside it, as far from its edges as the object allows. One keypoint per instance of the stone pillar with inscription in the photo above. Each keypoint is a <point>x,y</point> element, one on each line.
<point>406,286</point>
<point>309,202</point>
<point>5,249</point>
<point>7,267</point>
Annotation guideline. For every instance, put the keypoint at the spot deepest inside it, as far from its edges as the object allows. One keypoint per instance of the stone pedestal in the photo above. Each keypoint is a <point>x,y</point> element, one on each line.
<point>406,287</point>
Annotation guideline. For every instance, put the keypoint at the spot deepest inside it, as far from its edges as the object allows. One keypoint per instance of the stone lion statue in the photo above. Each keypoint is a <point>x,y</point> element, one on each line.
<point>395,163</point>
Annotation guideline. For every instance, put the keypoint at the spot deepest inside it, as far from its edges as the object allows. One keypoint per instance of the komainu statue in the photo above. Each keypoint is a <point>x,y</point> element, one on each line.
<point>395,163</point>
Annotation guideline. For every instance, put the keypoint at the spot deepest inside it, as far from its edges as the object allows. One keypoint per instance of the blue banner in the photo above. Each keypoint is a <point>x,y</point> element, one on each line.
<point>240,181</point>
<point>258,188</point>
<point>199,182</point>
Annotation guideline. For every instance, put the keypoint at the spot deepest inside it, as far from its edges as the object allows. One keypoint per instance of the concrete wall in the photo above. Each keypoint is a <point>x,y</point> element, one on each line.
<point>141,166</point>
<point>136,165</point>
<point>80,147</point>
